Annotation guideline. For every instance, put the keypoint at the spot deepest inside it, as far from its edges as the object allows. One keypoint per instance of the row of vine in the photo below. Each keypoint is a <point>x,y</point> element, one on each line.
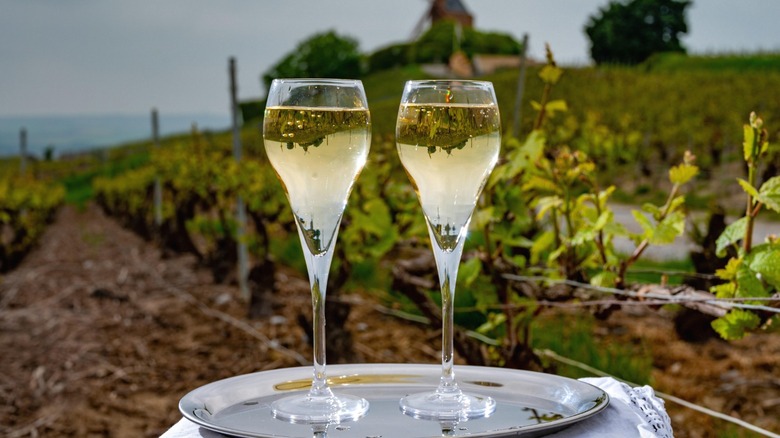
<point>27,205</point>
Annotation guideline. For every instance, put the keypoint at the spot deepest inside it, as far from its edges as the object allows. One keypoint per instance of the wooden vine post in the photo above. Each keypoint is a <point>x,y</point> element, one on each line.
<point>157,184</point>
<point>518,118</point>
<point>240,207</point>
<point>22,151</point>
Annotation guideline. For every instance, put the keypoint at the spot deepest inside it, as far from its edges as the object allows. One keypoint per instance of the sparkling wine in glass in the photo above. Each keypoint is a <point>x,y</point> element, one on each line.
<point>448,136</point>
<point>317,134</point>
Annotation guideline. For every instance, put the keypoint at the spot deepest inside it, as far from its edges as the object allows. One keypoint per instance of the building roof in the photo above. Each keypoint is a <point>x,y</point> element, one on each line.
<point>450,10</point>
<point>455,6</point>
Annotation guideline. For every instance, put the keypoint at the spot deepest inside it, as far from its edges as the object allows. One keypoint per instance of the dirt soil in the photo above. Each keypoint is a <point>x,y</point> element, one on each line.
<point>100,336</point>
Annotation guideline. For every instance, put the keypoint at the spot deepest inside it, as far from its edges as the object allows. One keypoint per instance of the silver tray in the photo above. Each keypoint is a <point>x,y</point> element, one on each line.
<point>529,404</point>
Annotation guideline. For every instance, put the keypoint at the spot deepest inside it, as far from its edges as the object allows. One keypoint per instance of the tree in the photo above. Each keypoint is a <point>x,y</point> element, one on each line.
<point>629,31</point>
<point>438,43</point>
<point>324,55</point>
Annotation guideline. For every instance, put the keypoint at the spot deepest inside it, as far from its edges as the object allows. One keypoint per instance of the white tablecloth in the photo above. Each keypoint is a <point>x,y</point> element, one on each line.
<point>632,412</point>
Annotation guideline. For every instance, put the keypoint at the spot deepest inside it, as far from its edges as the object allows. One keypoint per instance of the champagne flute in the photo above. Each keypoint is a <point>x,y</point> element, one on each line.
<point>317,134</point>
<point>448,137</point>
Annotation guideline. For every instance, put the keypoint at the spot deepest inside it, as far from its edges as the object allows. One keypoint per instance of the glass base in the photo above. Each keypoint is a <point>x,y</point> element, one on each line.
<point>306,409</point>
<point>447,407</point>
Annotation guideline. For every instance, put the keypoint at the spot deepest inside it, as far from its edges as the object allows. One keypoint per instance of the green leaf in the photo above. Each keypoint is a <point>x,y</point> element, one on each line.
<point>518,242</point>
<point>518,260</point>
<point>730,271</point>
<point>590,225</point>
<point>469,271</point>
<point>483,217</point>
<point>484,294</point>
<point>748,283</point>
<point>749,189</point>
<point>604,279</point>
<point>683,173</point>
<point>494,321</point>
<point>734,324</point>
<point>520,157</point>
<point>541,243</point>
<point>765,260</point>
<point>604,218</point>
<point>533,147</point>
<point>546,203</point>
<point>769,193</point>
<point>677,203</point>
<point>372,231</point>
<point>583,235</point>
<point>615,228</point>
<point>554,106</point>
<point>643,222</point>
<point>543,184</point>
<point>653,209</point>
<point>604,196</point>
<point>732,234</point>
<point>747,145</point>
<point>725,290</point>
<point>668,229</point>
<point>555,254</point>
<point>585,198</point>
<point>550,74</point>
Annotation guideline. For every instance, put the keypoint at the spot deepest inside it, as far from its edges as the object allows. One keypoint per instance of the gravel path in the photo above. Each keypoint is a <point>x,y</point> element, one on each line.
<point>97,341</point>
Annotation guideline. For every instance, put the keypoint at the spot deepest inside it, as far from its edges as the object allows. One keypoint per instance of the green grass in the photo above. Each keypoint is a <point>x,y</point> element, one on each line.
<point>730,430</point>
<point>651,271</point>
<point>676,62</point>
<point>389,84</point>
<point>571,336</point>
<point>383,90</point>
<point>78,185</point>
<point>78,188</point>
<point>76,174</point>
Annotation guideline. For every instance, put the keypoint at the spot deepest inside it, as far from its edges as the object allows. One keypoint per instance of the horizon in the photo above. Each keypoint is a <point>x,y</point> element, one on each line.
<point>72,133</point>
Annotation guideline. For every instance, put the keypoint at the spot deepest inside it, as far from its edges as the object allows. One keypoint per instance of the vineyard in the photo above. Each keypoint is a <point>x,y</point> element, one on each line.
<point>541,276</point>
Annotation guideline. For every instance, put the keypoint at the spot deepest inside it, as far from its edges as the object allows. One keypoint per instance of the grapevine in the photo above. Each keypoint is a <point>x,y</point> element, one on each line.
<point>26,207</point>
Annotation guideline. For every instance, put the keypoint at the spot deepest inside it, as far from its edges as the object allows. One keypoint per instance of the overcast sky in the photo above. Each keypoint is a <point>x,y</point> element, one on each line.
<point>125,57</point>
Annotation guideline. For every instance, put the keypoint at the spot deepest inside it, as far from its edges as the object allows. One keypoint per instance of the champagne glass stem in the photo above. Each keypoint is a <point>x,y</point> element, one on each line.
<point>318,267</point>
<point>447,263</point>
<point>320,405</point>
<point>319,385</point>
<point>447,352</point>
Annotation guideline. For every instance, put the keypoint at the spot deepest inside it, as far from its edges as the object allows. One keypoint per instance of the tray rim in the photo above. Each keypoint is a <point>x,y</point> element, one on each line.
<point>188,403</point>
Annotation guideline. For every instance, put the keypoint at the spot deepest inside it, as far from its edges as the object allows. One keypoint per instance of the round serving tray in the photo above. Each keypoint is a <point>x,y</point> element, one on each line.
<point>529,404</point>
